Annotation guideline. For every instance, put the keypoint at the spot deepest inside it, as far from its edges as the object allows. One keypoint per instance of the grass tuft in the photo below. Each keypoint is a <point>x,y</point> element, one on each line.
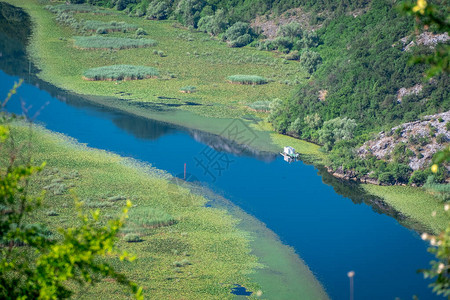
<point>188,89</point>
<point>120,72</point>
<point>132,238</point>
<point>247,79</point>
<point>150,217</point>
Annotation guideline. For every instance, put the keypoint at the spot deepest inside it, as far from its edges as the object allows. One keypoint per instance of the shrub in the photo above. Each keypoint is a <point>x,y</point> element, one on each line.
<point>161,53</point>
<point>120,72</point>
<point>413,139</point>
<point>100,42</point>
<point>283,42</point>
<point>132,238</point>
<point>214,24</point>
<point>447,125</point>
<point>101,30</point>
<point>238,35</point>
<point>188,11</point>
<point>419,177</point>
<point>241,41</point>
<point>309,40</point>
<point>291,30</point>
<point>247,79</point>
<point>386,177</point>
<point>400,172</point>
<point>122,4</point>
<point>433,130</point>
<point>140,31</point>
<point>310,60</point>
<point>296,126</point>
<point>293,55</point>
<point>138,13</point>
<point>441,138</point>
<point>336,130</point>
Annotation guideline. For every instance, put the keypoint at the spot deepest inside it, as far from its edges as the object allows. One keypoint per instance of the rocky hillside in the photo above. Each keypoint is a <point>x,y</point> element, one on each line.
<point>422,138</point>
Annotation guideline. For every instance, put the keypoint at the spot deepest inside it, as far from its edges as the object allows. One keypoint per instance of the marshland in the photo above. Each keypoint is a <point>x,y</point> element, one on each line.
<point>131,105</point>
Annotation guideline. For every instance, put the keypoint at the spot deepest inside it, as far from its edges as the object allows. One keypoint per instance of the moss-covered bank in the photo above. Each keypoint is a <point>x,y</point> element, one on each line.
<point>199,255</point>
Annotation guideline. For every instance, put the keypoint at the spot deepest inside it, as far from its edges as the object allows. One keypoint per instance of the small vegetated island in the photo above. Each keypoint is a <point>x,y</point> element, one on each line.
<point>120,72</point>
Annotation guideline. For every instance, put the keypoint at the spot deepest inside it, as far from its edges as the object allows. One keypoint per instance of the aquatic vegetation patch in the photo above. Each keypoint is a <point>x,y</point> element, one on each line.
<point>104,42</point>
<point>247,79</point>
<point>120,72</point>
<point>105,27</point>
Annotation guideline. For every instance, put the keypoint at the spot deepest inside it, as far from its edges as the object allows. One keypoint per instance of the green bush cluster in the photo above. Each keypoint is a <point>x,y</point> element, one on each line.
<point>132,238</point>
<point>214,24</point>
<point>238,35</point>
<point>102,42</point>
<point>247,79</point>
<point>120,72</point>
<point>158,10</point>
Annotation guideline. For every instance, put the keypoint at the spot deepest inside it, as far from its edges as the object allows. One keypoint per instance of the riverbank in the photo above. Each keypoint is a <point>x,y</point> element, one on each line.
<point>215,247</point>
<point>220,102</point>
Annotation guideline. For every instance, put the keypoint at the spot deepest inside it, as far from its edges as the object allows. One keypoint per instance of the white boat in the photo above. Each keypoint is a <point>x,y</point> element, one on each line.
<point>289,152</point>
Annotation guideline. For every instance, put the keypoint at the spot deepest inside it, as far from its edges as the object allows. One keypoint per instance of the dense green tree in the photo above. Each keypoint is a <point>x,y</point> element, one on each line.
<point>291,30</point>
<point>238,35</point>
<point>215,24</point>
<point>158,10</point>
<point>336,130</point>
<point>188,11</point>
<point>310,60</point>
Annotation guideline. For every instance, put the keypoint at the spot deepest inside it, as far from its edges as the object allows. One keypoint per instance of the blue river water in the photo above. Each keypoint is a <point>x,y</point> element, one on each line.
<point>333,234</point>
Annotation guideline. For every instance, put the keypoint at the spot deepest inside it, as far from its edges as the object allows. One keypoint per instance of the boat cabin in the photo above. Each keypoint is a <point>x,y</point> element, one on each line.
<point>289,151</point>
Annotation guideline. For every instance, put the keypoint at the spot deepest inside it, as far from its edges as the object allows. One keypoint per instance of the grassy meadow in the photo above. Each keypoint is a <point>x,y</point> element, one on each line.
<point>105,42</point>
<point>189,59</point>
<point>413,202</point>
<point>184,250</point>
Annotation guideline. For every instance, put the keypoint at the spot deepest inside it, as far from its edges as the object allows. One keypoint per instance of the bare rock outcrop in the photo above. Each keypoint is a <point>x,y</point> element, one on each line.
<point>427,39</point>
<point>421,137</point>
<point>408,91</point>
